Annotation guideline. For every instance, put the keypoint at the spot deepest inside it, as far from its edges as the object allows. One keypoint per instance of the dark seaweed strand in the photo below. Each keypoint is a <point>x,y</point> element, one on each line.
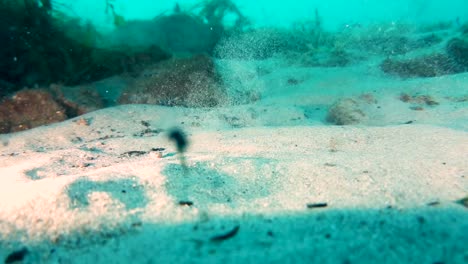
<point>316,205</point>
<point>228,235</point>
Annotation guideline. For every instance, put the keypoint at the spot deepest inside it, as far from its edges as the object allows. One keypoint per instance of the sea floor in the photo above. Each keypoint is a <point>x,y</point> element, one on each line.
<point>269,180</point>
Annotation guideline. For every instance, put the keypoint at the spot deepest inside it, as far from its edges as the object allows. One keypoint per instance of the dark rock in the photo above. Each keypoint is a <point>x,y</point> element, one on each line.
<point>427,41</point>
<point>28,109</point>
<point>190,82</point>
<point>457,49</point>
<point>425,66</point>
<point>78,100</point>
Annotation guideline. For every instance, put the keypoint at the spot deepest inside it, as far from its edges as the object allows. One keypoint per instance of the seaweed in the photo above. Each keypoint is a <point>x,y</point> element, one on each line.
<point>313,31</point>
<point>41,45</point>
<point>316,205</point>
<point>119,20</point>
<point>227,235</point>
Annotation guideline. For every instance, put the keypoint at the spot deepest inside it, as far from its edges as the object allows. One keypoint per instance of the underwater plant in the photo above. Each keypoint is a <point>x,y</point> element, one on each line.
<point>118,19</point>
<point>42,45</point>
<point>313,31</point>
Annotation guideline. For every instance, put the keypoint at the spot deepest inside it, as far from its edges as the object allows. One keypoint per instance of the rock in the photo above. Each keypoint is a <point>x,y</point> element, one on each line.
<point>346,111</point>
<point>425,99</point>
<point>189,82</point>
<point>457,49</point>
<point>427,41</point>
<point>78,100</point>
<point>426,66</point>
<point>28,109</point>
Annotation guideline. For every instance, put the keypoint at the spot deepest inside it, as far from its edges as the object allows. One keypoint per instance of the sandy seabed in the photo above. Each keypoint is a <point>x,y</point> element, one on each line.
<point>265,182</point>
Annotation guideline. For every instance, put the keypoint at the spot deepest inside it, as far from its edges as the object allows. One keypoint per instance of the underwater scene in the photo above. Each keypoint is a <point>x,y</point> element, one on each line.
<point>234,131</point>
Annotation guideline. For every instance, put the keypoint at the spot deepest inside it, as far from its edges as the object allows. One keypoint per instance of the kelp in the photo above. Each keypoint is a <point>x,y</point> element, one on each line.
<point>41,45</point>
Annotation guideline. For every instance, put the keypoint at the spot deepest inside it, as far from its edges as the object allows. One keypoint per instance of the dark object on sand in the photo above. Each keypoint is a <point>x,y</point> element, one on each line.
<point>188,203</point>
<point>133,153</point>
<point>158,149</point>
<point>316,205</point>
<point>228,235</point>
<point>17,256</point>
<point>180,139</point>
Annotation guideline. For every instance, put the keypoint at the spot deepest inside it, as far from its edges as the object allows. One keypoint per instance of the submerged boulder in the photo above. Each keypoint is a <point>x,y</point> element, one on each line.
<point>189,82</point>
<point>452,60</point>
<point>28,109</point>
<point>457,49</point>
<point>78,100</point>
<point>426,66</point>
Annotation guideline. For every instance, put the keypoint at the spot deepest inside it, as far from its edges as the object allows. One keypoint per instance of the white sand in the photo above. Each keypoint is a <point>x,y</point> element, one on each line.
<point>69,196</point>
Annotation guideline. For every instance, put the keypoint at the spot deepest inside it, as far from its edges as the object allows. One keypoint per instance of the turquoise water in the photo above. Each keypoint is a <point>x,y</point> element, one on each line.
<point>280,13</point>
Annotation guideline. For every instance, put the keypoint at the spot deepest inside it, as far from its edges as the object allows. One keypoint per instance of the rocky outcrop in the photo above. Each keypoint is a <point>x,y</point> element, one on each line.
<point>189,82</point>
<point>28,109</point>
<point>426,66</point>
<point>457,49</point>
